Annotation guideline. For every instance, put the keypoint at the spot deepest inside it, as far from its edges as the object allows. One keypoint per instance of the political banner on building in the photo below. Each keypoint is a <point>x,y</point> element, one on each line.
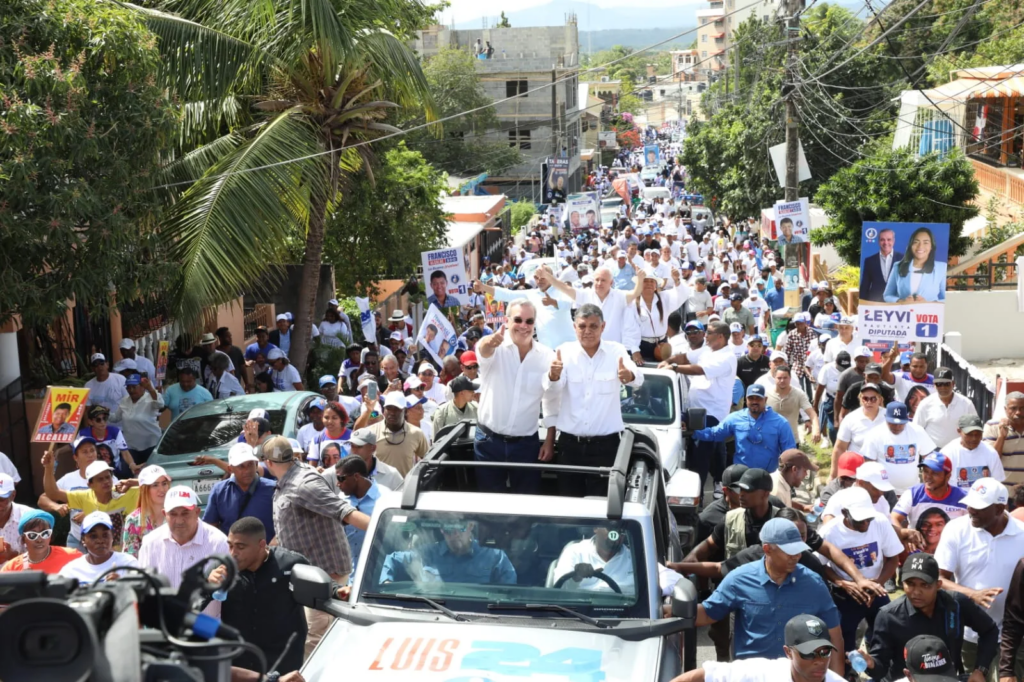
<point>903,281</point>
<point>793,221</point>
<point>555,175</point>
<point>445,274</point>
<point>652,155</point>
<point>582,212</point>
<point>61,415</point>
<point>437,335</point>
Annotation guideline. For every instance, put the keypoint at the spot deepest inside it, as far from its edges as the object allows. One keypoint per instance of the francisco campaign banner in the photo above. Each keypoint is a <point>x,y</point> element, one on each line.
<point>555,174</point>
<point>437,335</point>
<point>63,409</point>
<point>793,221</point>
<point>903,281</point>
<point>444,271</point>
<point>652,155</point>
<point>582,212</point>
<point>162,350</point>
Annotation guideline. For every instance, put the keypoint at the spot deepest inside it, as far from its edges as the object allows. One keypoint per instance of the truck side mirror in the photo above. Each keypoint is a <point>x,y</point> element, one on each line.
<point>684,601</point>
<point>311,586</point>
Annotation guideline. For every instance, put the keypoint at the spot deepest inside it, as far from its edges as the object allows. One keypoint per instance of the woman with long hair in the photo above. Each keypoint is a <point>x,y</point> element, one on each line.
<point>917,278</point>
<point>652,310</point>
<point>828,306</point>
<point>336,430</point>
<point>154,483</point>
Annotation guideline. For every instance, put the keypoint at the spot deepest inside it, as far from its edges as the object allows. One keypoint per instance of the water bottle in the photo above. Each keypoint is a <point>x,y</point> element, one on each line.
<point>858,662</point>
<point>220,595</point>
<point>815,513</point>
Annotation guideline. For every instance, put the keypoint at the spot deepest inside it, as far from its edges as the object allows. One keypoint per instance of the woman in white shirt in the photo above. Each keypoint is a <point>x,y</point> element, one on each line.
<point>856,425</point>
<point>333,330</point>
<point>653,308</point>
<point>828,307</point>
<point>286,377</point>
<point>100,557</point>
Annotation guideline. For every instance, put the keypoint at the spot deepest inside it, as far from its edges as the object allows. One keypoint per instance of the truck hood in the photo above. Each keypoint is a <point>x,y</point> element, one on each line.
<point>477,652</point>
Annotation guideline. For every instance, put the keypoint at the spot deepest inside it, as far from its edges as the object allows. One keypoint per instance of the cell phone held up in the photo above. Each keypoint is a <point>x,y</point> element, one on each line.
<point>371,391</point>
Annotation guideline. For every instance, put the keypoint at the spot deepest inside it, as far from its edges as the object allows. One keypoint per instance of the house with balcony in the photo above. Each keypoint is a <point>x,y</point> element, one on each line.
<point>711,40</point>
<point>684,65</point>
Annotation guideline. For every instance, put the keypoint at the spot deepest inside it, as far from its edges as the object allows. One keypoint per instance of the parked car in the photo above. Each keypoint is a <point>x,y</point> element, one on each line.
<point>651,193</point>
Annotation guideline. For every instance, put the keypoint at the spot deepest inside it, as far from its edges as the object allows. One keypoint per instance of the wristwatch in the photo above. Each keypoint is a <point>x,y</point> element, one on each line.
<point>675,367</point>
<point>272,676</point>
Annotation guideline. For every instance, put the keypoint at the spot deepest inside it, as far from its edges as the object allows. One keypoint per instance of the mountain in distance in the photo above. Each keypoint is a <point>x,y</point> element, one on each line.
<point>636,38</point>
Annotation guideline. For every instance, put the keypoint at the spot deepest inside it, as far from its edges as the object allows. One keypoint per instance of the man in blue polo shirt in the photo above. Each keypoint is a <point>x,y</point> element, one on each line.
<point>761,434</point>
<point>244,494</point>
<point>766,594</point>
<point>362,492</point>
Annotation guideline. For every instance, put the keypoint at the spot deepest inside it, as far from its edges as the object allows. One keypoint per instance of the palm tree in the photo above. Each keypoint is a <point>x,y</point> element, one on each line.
<point>279,101</point>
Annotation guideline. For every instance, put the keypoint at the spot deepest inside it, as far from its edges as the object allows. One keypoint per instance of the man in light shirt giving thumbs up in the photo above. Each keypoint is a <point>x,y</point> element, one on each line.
<point>587,374</point>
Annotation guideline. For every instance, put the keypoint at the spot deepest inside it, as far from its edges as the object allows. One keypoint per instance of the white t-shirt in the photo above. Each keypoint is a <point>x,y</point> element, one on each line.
<point>828,377</point>
<point>306,435</point>
<point>713,389</point>
<point>86,573</point>
<point>837,503</point>
<point>286,379</point>
<point>837,345</point>
<point>106,393</point>
<point>619,568</point>
<point>899,452</point>
<point>915,502</point>
<point>757,670</point>
<point>970,465</point>
<point>855,426</point>
<point>867,550</point>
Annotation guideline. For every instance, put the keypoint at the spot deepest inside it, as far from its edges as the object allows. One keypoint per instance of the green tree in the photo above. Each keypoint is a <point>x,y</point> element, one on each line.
<point>464,148</point>
<point>302,88</point>
<point>898,186</point>
<point>522,211</point>
<point>385,220</point>
<point>79,150</point>
<point>503,23</point>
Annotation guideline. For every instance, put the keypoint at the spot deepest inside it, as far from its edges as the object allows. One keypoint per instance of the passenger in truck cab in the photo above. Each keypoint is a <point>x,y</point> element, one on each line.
<point>456,558</point>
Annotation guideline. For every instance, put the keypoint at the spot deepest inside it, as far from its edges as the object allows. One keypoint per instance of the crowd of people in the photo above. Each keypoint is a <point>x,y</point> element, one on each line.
<point>795,561</point>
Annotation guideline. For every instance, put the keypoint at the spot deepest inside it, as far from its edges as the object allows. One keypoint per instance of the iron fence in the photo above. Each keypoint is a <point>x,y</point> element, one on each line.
<point>968,381</point>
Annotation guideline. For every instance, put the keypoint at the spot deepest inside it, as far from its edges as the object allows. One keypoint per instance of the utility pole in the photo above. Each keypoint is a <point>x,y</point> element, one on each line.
<point>795,256</point>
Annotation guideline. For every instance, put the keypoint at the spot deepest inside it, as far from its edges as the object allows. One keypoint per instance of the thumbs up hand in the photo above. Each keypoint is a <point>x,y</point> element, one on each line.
<point>555,373</point>
<point>625,376</point>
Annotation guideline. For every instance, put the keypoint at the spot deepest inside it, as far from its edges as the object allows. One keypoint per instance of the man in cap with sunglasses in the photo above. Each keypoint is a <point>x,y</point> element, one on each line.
<point>105,388</point>
<point>510,400</point>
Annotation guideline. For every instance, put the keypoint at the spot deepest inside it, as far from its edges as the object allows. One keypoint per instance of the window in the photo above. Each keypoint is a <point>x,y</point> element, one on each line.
<point>516,87</point>
<point>571,88</point>
<point>704,38</point>
<point>661,92</point>
<point>704,53</point>
<point>574,139</point>
<point>519,138</point>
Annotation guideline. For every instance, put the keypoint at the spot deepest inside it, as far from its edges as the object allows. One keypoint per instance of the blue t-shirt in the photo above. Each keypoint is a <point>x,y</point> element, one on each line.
<point>226,501</point>
<point>253,348</point>
<point>179,400</point>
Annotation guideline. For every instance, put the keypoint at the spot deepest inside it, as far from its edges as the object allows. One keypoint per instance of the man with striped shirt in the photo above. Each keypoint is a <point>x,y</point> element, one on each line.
<point>1006,436</point>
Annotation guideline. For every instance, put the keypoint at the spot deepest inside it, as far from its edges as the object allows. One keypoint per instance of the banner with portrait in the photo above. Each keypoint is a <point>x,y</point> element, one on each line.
<point>437,335</point>
<point>162,353</point>
<point>793,221</point>
<point>61,415</point>
<point>903,281</point>
<point>652,155</point>
<point>582,212</point>
<point>445,277</point>
<point>555,176</point>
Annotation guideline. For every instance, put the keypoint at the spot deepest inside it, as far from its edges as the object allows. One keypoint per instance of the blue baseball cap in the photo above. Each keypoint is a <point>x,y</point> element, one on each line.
<point>785,535</point>
<point>133,380</point>
<point>317,404</point>
<point>694,325</point>
<point>82,440</point>
<point>328,379</point>
<point>906,356</point>
<point>756,391</point>
<point>896,413</point>
<point>938,462</point>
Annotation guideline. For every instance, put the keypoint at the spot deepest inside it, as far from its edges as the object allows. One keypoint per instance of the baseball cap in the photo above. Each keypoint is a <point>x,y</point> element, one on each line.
<point>468,357</point>
<point>858,503</point>
<point>937,461</point>
<point>328,380</point>
<point>180,496</point>
<point>240,453</point>
<point>296,448</point>
<point>277,449</point>
<point>928,657</point>
<point>735,327</point>
<point>806,633</point>
<point>755,339</point>
<point>943,374</point>
<point>126,344</point>
<point>258,413</point>
<point>825,338</point>
<point>876,474</point>
<point>984,493</point>
<point>873,368</point>
<point>814,286</point>
<point>126,363</point>
<point>363,437</point>
<point>849,463</point>
<point>96,518</point>
<point>395,399</point>
<point>317,404</point>
<point>333,302</point>
<point>395,336</point>
<point>133,380</point>
<point>896,413</point>
<point>694,324</point>
<point>426,368</point>
<point>755,479</point>
<point>95,469</point>
<point>6,486</point>
<point>778,355</point>
<point>843,359</point>
<point>906,356</point>
<point>282,316</point>
<point>870,386</point>
<point>798,458</point>
<point>151,474</point>
<point>970,422</point>
<point>464,383</point>
<point>275,354</point>
<point>261,328</point>
<point>862,351</point>
<point>846,321</point>
<point>756,391</point>
<point>97,357</point>
<point>784,534</point>
<point>412,401</point>
<point>413,382</point>
<point>921,565</point>
<point>736,297</point>
<point>802,317</point>
<point>82,440</point>
<point>732,475</point>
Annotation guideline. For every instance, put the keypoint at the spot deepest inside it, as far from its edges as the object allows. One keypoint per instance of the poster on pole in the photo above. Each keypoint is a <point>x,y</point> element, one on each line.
<point>444,271</point>
<point>437,335</point>
<point>61,415</point>
<point>555,175</point>
<point>903,281</point>
<point>582,212</point>
<point>163,349</point>
<point>606,139</point>
<point>793,221</point>
<point>652,155</point>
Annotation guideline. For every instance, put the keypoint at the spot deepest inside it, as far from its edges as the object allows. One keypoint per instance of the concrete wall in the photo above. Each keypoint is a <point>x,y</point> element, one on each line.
<point>989,322</point>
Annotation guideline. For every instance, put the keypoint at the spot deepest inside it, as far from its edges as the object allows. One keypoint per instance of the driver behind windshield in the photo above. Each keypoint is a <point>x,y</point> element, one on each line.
<point>457,558</point>
<point>641,402</point>
<point>604,554</point>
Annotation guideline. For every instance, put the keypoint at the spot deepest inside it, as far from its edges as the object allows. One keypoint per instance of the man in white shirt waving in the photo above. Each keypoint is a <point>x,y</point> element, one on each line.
<point>587,374</point>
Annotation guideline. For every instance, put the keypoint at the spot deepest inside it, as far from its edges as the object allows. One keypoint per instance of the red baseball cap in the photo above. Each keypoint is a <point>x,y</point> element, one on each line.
<point>468,358</point>
<point>849,462</point>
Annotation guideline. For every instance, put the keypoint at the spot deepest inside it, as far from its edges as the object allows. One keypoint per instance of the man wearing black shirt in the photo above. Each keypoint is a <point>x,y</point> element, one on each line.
<point>754,364</point>
<point>872,375</point>
<point>927,610</point>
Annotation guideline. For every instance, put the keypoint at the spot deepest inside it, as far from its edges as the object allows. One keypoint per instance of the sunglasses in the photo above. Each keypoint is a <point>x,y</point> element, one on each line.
<point>522,320</point>
<point>100,418</point>
<point>472,366</point>
<point>688,332</point>
<point>342,479</point>
<point>40,535</point>
<point>869,398</point>
<point>823,653</point>
<point>943,383</point>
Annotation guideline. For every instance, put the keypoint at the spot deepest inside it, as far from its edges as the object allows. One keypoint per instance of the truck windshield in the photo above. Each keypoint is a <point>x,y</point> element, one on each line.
<point>653,403</point>
<point>468,561</point>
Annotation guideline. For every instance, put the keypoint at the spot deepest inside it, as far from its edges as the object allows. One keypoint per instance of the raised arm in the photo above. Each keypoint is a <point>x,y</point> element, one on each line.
<point>638,288</point>
<point>50,483</point>
<point>560,285</point>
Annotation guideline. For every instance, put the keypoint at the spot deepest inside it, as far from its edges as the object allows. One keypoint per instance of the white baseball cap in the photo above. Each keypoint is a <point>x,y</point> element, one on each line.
<point>258,413</point>
<point>282,316</point>
<point>858,503</point>
<point>735,327</point>
<point>6,486</point>
<point>275,354</point>
<point>97,357</point>
<point>96,518</point>
<point>151,474</point>
<point>126,344</point>
<point>180,496</point>
<point>875,474</point>
<point>984,493</point>
<point>426,367</point>
<point>240,453</point>
<point>395,399</point>
<point>95,469</point>
<point>413,382</point>
<point>863,352</point>
<point>778,355</point>
<point>126,363</point>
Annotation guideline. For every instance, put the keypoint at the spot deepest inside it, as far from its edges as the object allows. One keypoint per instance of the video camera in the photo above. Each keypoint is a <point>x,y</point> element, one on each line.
<point>133,629</point>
